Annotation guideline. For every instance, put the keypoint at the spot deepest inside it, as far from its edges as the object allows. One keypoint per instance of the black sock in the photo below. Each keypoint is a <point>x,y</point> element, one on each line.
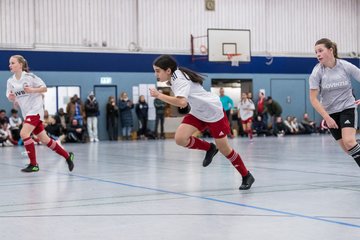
<point>355,153</point>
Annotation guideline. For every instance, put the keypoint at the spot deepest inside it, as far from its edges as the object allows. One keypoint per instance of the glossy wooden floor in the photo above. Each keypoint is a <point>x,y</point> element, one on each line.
<point>306,188</point>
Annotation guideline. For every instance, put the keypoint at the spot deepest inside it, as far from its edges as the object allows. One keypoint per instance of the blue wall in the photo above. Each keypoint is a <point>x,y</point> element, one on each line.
<point>127,70</point>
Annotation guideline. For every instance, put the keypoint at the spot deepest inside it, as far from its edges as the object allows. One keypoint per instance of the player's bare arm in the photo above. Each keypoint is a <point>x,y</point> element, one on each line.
<point>176,101</point>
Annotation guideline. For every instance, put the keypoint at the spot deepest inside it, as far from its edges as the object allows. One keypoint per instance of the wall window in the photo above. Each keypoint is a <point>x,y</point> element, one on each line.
<point>58,97</point>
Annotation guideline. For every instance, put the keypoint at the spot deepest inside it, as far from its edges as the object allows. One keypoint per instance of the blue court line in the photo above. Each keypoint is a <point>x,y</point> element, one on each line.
<point>220,201</point>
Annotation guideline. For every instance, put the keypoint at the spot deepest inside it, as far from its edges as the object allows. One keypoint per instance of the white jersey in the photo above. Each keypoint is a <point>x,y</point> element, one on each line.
<point>334,85</point>
<point>205,105</point>
<point>30,103</point>
<point>246,109</point>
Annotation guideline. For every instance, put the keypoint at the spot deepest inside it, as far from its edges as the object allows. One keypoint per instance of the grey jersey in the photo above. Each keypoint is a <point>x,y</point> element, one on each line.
<point>30,103</point>
<point>334,85</point>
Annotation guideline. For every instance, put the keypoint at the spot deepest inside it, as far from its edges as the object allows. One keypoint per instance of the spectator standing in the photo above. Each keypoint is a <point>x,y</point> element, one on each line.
<point>228,105</point>
<point>92,113</point>
<point>125,106</point>
<point>160,116</point>
<point>75,109</point>
<point>141,110</point>
<point>261,107</point>
<point>274,109</point>
<point>112,115</point>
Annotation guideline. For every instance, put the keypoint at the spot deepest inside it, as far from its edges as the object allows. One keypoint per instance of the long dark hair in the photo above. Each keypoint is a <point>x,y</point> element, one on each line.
<point>328,44</point>
<point>166,61</point>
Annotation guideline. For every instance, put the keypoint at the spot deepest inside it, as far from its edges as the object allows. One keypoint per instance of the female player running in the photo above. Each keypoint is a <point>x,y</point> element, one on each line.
<point>331,78</point>
<point>26,89</point>
<point>206,112</point>
<point>246,112</point>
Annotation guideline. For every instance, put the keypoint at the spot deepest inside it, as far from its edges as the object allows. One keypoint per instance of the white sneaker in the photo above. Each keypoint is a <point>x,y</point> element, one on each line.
<point>96,140</point>
<point>91,140</point>
<point>7,143</point>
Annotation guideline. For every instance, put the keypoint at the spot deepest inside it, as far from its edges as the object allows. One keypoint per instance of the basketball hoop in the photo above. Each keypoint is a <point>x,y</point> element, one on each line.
<point>233,60</point>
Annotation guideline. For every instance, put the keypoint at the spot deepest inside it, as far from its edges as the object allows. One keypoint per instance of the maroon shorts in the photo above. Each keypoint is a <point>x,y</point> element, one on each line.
<point>249,120</point>
<point>36,122</point>
<point>217,129</point>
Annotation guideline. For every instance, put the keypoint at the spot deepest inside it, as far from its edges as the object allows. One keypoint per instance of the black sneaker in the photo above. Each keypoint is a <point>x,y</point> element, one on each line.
<point>70,161</point>
<point>31,168</point>
<point>210,154</point>
<point>247,181</point>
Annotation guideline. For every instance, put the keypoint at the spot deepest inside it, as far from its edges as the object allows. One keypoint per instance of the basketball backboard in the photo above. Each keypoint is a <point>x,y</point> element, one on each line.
<point>228,45</point>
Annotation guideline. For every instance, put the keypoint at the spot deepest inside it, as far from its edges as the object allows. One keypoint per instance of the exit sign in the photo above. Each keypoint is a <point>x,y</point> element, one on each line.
<point>105,80</point>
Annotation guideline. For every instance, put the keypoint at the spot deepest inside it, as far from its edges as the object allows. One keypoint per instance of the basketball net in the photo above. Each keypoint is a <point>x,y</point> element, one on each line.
<point>233,60</point>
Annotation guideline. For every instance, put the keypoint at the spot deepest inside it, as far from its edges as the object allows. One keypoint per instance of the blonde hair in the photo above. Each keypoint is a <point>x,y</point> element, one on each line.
<point>122,95</point>
<point>22,60</point>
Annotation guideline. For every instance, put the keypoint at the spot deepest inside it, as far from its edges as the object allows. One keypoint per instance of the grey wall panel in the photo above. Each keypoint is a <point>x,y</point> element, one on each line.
<point>294,26</point>
<point>85,23</point>
<point>278,27</point>
<point>17,23</point>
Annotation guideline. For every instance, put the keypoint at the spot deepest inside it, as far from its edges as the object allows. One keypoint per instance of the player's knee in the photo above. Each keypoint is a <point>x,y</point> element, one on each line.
<point>349,142</point>
<point>181,140</point>
<point>24,135</point>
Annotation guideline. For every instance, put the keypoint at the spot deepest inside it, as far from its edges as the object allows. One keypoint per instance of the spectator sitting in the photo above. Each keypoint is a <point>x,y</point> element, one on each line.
<point>75,132</point>
<point>3,115</point>
<point>288,124</point>
<point>298,126</point>
<point>281,127</point>
<point>63,119</point>
<point>260,127</point>
<point>309,125</point>
<point>53,129</point>
<point>15,124</point>
<point>46,118</point>
<point>5,134</point>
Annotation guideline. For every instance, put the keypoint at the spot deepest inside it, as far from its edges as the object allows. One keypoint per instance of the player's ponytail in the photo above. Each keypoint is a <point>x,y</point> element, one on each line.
<point>22,60</point>
<point>328,44</point>
<point>335,51</point>
<point>165,61</point>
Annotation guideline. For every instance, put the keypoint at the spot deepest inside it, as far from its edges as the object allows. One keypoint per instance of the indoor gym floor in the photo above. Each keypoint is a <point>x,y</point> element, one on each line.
<point>306,188</point>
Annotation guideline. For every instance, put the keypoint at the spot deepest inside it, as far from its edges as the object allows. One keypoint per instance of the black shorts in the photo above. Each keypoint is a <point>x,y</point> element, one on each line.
<point>344,119</point>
